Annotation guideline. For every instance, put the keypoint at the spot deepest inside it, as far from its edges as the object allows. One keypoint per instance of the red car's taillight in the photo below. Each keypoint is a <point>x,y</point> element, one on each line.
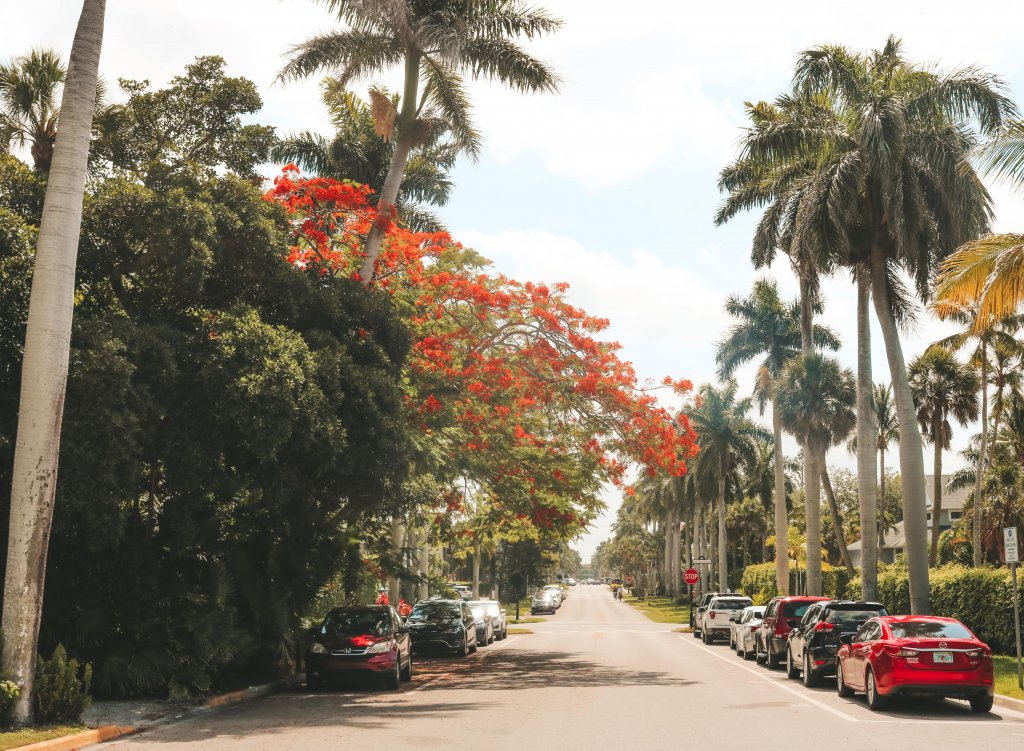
<point>754,628</point>
<point>823,626</point>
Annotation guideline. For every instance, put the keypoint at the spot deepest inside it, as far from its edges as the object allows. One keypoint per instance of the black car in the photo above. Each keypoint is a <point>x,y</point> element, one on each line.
<point>370,640</point>
<point>813,644</point>
<point>442,625</point>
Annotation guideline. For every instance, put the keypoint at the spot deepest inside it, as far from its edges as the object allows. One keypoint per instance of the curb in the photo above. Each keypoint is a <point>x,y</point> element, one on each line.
<point>1008,702</point>
<point>253,692</point>
<point>79,740</point>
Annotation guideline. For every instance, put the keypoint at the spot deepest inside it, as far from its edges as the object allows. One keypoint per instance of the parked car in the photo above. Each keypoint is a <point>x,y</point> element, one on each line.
<point>557,591</point>
<point>484,625</point>
<point>915,655</point>
<point>443,625</point>
<point>744,628</point>
<point>359,640</point>
<point>497,613</point>
<point>813,645</point>
<point>720,614</point>
<point>781,615</point>
<point>696,613</point>
<point>463,591</point>
<point>544,601</point>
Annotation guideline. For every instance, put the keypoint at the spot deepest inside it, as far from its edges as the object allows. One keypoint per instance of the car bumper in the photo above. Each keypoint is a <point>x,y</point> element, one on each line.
<point>823,660</point>
<point>322,666</point>
<point>948,690</point>
<point>436,642</point>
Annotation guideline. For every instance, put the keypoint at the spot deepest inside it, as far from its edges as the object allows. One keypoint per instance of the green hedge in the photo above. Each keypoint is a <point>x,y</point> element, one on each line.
<point>980,597</point>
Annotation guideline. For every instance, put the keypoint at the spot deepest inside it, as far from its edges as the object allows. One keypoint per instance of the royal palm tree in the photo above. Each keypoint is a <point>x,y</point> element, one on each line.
<point>45,362</point>
<point>30,89</point>
<point>727,438</point>
<point>768,328</point>
<point>357,152</point>
<point>943,388</point>
<point>864,165</point>
<point>816,399</point>
<point>437,43</point>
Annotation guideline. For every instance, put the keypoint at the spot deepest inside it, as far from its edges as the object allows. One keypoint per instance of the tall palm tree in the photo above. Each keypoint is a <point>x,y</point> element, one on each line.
<point>816,400</point>
<point>30,87</point>
<point>770,328</point>
<point>436,43</point>
<point>726,437</point>
<point>357,152</point>
<point>864,165</point>
<point>943,388</point>
<point>45,362</point>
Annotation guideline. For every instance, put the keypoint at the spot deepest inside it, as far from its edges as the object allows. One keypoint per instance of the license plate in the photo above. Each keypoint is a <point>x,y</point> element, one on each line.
<point>942,658</point>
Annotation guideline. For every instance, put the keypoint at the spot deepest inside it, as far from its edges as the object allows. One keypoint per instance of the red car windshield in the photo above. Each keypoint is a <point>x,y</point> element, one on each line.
<point>929,630</point>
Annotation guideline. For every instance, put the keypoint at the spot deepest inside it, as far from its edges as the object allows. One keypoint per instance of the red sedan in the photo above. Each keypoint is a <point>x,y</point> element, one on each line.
<point>915,655</point>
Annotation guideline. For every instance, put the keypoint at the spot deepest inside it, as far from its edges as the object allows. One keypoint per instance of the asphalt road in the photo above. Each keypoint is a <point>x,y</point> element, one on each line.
<point>597,676</point>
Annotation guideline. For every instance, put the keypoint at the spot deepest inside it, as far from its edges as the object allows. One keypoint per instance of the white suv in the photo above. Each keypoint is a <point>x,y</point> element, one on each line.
<point>716,619</point>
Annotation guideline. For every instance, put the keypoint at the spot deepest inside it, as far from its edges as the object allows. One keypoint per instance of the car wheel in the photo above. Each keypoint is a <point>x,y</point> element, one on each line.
<point>841,688</point>
<point>407,671</point>
<point>758,655</point>
<point>464,647</point>
<point>791,670</point>
<point>394,678</point>
<point>732,642</point>
<point>706,637</point>
<point>747,654</point>
<point>981,703</point>
<point>875,700</point>
<point>491,641</point>
<point>810,677</point>
<point>473,647</point>
<point>696,633</point>
<point>771,659</point>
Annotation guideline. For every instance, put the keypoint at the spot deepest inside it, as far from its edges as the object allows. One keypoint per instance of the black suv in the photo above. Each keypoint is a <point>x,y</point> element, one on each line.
<point>813,645</point>
<point>444,625</point>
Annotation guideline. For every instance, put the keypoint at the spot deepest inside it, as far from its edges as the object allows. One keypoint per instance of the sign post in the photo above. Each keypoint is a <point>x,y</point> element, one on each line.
<point>1013,558</point>
<point>691,576</point>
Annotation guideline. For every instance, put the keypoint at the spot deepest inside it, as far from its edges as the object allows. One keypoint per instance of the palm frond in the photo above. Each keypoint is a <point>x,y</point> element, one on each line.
<point>507,62</point>
<point>988,272</point>
<point>446,90</point>
<point>352,53</point>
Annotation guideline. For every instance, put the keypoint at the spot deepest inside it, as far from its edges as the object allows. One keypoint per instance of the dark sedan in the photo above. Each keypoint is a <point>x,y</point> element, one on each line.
<point>359,640</point>
<point>443,625</point>
<point>813,645</point>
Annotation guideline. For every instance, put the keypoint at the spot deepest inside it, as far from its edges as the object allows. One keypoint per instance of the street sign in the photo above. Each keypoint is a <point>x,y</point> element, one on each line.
<point>701,561</point>
<point>1010,544</point>
<point>691,576</point>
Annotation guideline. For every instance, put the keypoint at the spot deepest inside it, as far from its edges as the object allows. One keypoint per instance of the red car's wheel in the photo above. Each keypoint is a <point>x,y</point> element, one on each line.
<point>841,688</point>
<point>875,700</point>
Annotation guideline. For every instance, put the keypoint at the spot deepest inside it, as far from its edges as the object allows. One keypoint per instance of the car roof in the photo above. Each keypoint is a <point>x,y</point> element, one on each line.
<point>360,608</point>
<point>853,605</point>
<point>802,598</point>
<point>916,619</point>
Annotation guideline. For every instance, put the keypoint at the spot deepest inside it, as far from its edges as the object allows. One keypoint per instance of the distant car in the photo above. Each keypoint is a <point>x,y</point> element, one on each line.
<point>463,591</point>
<point>744,628</point>
<point>557,591</point>
<point>781,615</point>
<point>813,645</point>
<point>696,613</point>
<point>443,625</point>
<point>915,655</point>
<point>369,640</point>
<point>571,582</point>
<point>716,620</point>
<point>497,613</point>
<point>544,601</point>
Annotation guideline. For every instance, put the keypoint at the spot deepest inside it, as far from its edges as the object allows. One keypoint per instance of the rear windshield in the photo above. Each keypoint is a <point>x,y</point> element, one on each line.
<point>730,604</point>
<point>929,630</point>
<point>357,622</point>
<point>795,609</point>
<point>852,620</point>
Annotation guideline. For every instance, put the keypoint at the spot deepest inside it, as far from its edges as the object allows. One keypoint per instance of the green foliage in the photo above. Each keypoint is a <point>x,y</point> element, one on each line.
<point>61,691</point>
<point>758,582</point>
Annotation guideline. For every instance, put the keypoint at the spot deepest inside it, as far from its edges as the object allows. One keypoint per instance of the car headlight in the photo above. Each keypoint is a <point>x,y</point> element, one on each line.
<point>318,649</point>
<point>379,647</point>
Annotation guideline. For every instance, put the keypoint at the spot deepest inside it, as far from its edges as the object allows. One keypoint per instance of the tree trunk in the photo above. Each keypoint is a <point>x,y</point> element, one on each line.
<point>936,490</point>
<point>867,431</point>
<point>424,568</point>
<point>812,495</point>
<point>45,363</point>
<point>406,133</point>
<point>666,557</point>
<point>723,567</point>
<point>910,446</point>
<point>980,467</point>
<point>476,570</point>
<point>881,499</point>
<point>781,512</point>
<point>394,580</point>
<point>837,520</point>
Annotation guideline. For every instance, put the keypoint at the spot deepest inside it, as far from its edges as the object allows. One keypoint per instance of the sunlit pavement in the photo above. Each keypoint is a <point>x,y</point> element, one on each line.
<point>598,676</point>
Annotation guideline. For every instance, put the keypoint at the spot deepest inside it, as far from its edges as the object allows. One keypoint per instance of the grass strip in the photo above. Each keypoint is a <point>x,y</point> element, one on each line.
<point>25,736</point>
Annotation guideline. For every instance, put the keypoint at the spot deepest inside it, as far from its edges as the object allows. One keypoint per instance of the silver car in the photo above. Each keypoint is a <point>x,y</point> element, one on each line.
<point>497,613</point>
<point>741,637</point>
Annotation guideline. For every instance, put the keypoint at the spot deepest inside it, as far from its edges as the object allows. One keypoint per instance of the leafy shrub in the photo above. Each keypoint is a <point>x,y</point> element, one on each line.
<point>60,695</point>
<point>9,692</point>
<point>758,582</point>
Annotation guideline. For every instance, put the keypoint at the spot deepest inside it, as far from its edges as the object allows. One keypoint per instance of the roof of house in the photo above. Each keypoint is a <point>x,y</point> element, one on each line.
<point>951,501</point>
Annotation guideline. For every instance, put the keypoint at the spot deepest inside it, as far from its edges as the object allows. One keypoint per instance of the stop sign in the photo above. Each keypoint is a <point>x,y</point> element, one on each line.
<point>691,576</point>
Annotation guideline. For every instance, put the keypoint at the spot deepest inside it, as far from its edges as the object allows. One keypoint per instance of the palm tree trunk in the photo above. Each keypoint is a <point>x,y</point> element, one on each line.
<point>405,135</point>
<point>980,468</point>
<point>45,363</point>
<point>394,580</point>
<point>837,519</point>
<point>666,557</point>
<point>424,567</point>
<point>910,447</point>
<point>881,499</point>
<point>723,566</point>
<point>867,430</point>
<point>781,513</point>
<point>476,570</point>
<point>812,495</point>
<point>936,489</point>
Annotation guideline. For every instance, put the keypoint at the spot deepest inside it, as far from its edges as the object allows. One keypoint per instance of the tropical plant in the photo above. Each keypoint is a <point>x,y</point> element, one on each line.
<point>45,363</point>
<point>437,43</point>
<point>30,87</point>
<point>943,388</point>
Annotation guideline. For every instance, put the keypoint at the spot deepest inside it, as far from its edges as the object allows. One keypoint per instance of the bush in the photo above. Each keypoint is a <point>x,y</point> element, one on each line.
<point>9,692</point>
<point>60,696</point>
<point>758,582</point>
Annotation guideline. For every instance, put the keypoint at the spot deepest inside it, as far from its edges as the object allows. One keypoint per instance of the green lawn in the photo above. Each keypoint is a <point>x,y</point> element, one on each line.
<point>25,736</point>
<point>1006,676</point>
<point>661,609</point>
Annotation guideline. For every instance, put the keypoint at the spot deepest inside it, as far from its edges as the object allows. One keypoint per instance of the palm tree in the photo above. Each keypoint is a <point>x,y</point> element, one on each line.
<point>29,90</point>
<point>943,388</point>
<point>887,432</point>
<point>770,328</point>
<point>357,152</point>
<point>726,437</point>
<point>864,165</point>
<point>437,43</point>
<point>45,362</point>
<point>816,399</point>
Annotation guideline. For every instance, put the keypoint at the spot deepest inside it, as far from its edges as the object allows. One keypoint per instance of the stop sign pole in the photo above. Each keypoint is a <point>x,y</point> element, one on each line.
<point>691,576</point>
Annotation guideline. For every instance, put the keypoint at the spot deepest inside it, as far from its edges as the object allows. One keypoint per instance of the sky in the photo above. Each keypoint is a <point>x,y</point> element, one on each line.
<point>610,184</point>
